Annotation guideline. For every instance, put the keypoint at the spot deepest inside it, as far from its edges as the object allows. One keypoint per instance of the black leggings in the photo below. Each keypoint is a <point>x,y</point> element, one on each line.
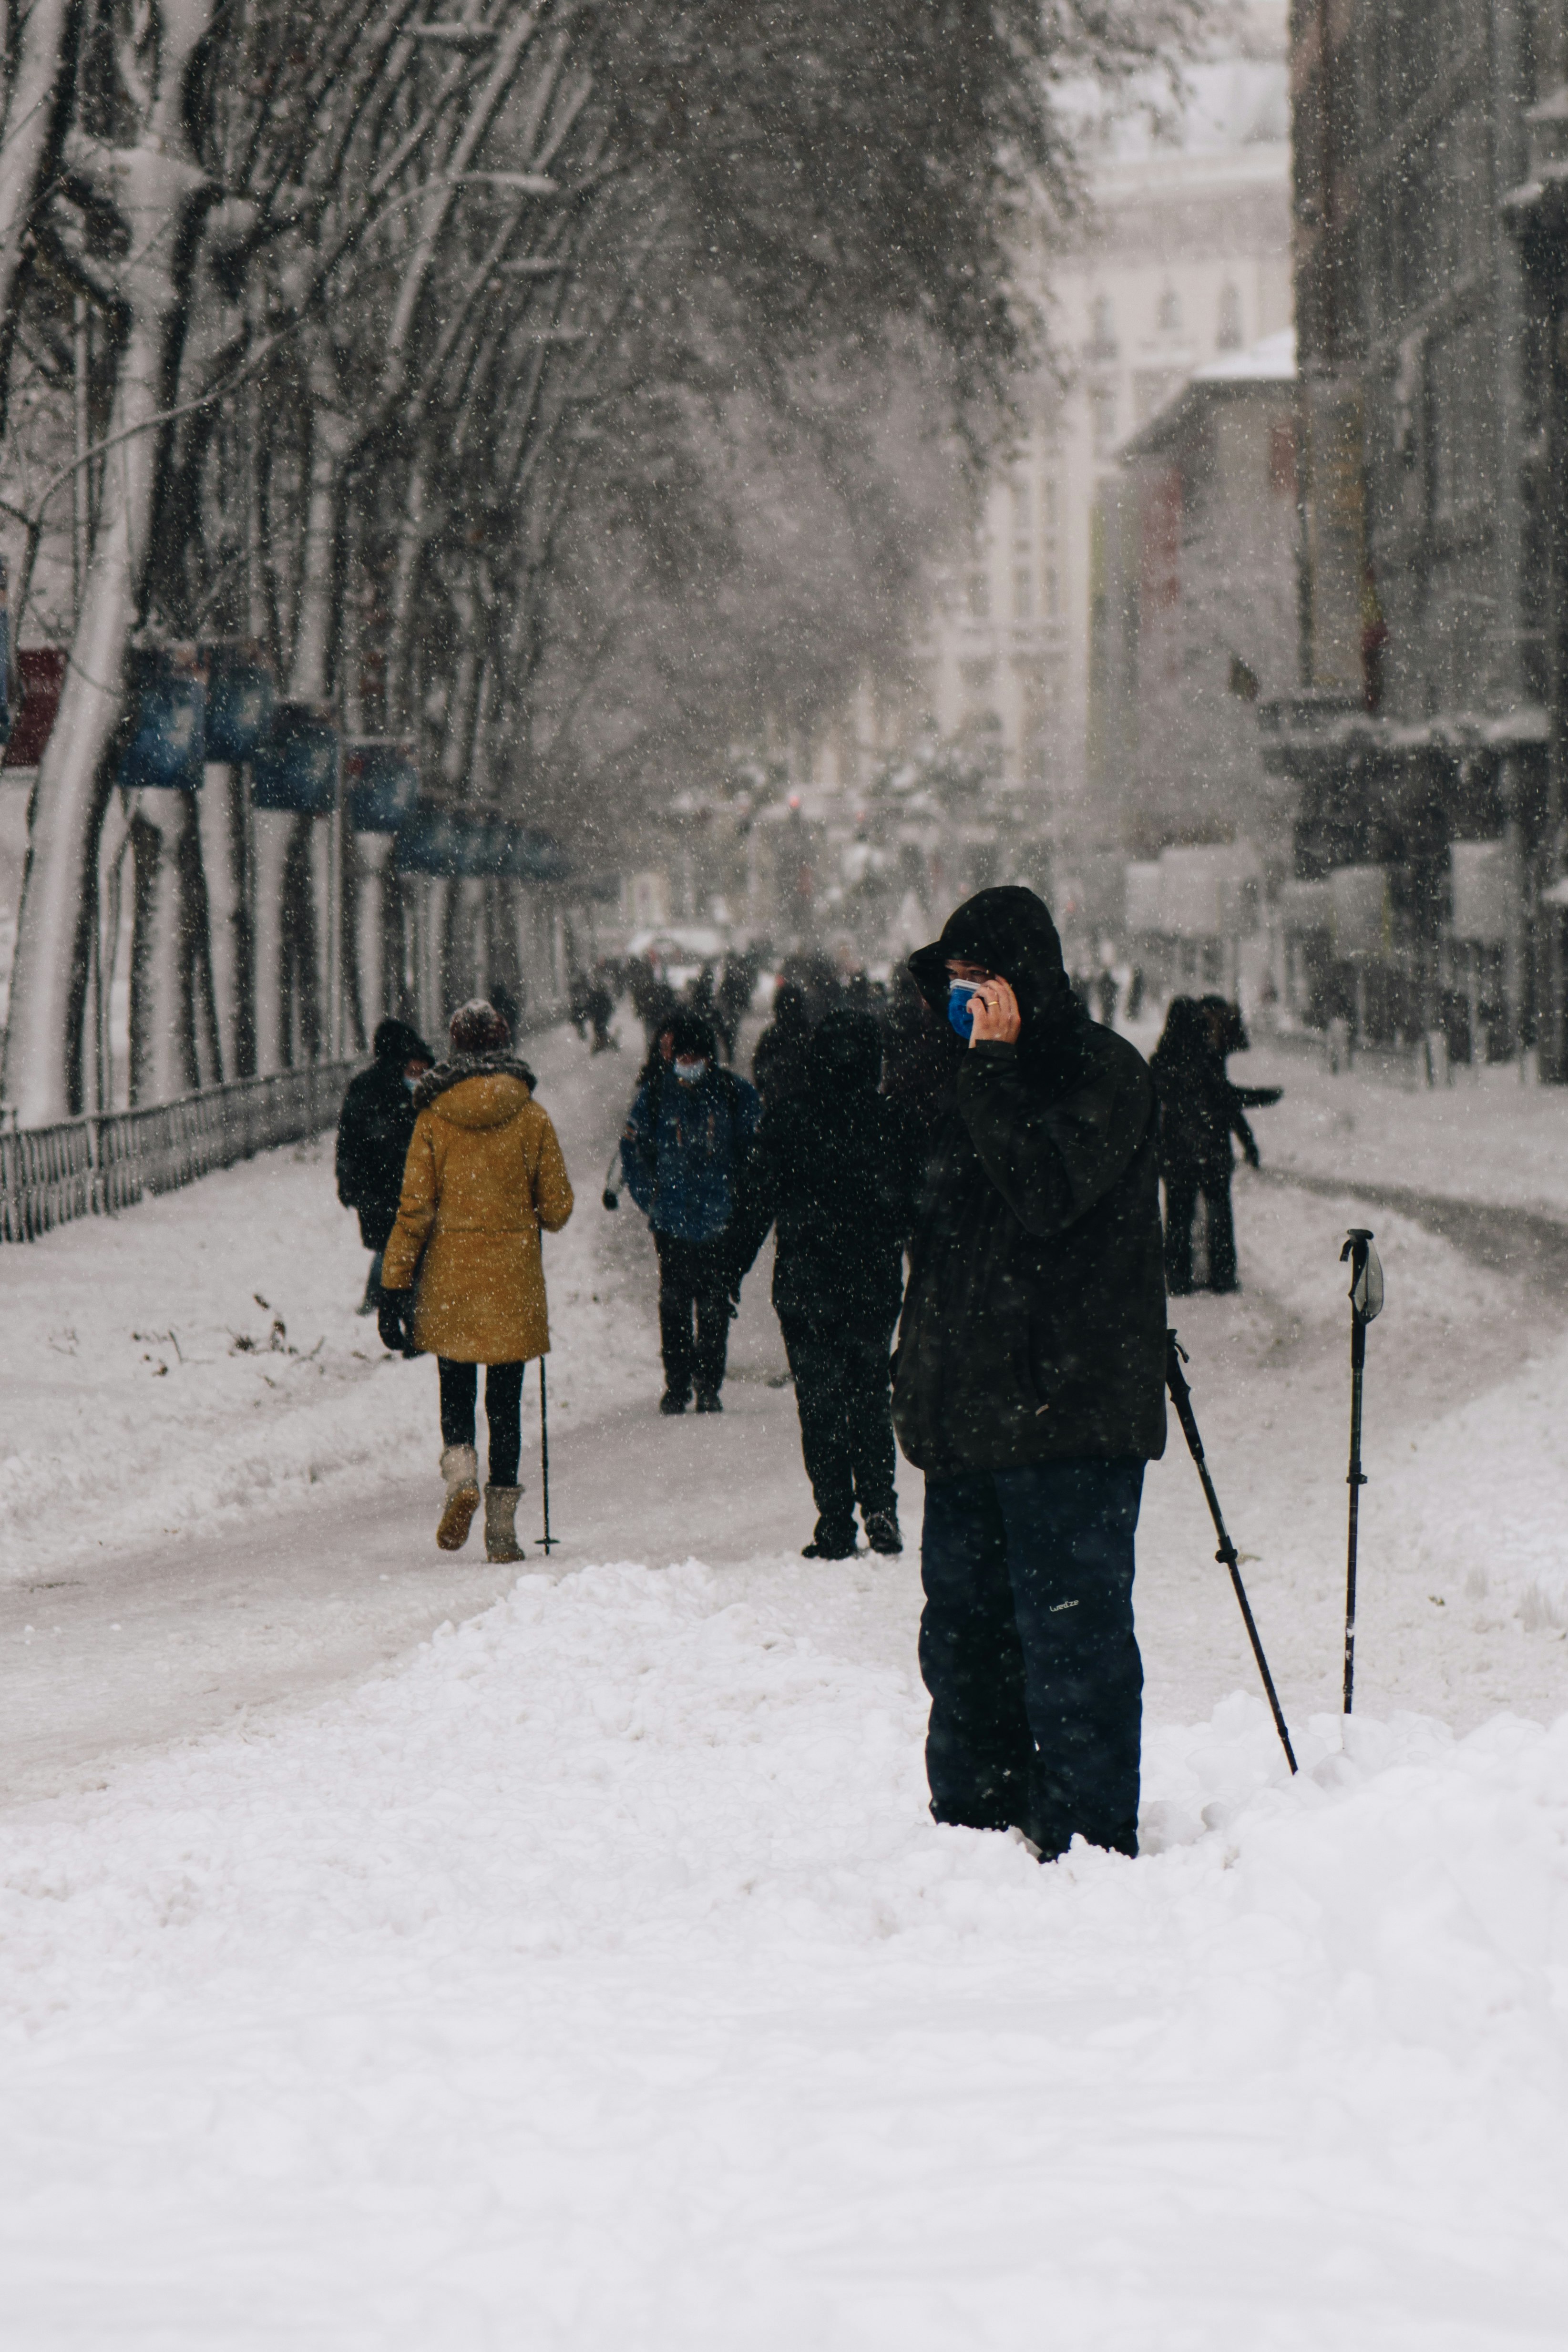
<point>503,1411</point>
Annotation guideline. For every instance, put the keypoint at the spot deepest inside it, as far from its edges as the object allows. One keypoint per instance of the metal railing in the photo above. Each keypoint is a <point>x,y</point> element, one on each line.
<point>91,1167</point>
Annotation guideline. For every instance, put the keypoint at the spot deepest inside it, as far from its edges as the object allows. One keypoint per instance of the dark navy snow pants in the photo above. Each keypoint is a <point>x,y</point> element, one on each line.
<point>1028,1651</point>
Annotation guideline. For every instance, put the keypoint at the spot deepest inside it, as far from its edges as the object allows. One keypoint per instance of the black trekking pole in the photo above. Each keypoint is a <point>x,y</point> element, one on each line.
<point>546,1539</point>
<point>1182,1398</point>
<point>1366,1305</point>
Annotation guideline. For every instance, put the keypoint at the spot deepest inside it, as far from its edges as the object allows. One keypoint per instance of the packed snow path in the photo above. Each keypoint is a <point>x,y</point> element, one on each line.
<point>597,1979</point>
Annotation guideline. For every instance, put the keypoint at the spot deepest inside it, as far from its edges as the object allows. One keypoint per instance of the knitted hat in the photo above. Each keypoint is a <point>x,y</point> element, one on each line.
<point>479,1028</point>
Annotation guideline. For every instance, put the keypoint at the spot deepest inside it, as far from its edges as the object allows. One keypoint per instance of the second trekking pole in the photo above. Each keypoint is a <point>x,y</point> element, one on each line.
<point>546,1539</point>
<point>1366,1305</point>
<point>1228,1554</point>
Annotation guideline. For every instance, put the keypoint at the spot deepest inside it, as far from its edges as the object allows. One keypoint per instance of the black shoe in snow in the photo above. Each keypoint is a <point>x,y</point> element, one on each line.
<point>671,1402</point>
<point>708,1401</point>
<point>831,1542</point>
<point>883,1531</point>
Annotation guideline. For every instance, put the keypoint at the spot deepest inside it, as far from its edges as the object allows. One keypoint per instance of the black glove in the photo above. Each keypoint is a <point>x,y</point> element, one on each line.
<point>611,1200</point>
<point>395,1321</point>
<point>1250,1154</point>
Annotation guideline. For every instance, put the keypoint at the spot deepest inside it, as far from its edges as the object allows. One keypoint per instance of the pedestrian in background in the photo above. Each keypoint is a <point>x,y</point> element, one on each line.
<point>375,1127</point>
<point>837,1169</point>
<point>688,1135</point>
<point>1200,1110</point>
<point>600,1005</point>
<point>1029,1387</point>
<point>463,1277</point>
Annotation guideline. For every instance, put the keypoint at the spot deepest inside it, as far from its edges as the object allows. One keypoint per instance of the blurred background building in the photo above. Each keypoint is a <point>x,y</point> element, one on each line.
<point>1184,258</point>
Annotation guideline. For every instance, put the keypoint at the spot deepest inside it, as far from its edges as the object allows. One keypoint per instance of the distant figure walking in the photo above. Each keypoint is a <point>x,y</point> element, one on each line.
<point>686,1142</point>
<point>375,1127</point>
<point>464,1272</point>
<point>600,1006</point>
<point>837,1168</point>
<point>1200,1110</point>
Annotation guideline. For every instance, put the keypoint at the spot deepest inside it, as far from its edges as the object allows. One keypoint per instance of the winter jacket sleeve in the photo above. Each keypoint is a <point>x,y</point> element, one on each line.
<point>415,1210</point>
<point>552,1201</point>
<point>756,1206</point>
<point>1052,1160</point>
<point>1241,1128</point>
<point>639,1149</point>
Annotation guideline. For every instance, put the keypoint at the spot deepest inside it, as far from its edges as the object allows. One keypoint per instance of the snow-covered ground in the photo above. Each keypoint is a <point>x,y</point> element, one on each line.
<point>1487,1137</point>
<point>589,1974</point>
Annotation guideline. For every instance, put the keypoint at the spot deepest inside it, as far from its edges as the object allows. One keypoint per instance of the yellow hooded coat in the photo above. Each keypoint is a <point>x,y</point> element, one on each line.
<point>484,1173</point>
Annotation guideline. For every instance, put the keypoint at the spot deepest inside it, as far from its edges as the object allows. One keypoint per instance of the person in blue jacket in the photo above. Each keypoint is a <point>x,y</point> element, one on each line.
<point>682,1151</point>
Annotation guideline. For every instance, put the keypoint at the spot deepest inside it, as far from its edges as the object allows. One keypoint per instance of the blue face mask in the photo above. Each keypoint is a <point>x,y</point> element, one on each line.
<point>689,1072</point>
<point>959,993</point>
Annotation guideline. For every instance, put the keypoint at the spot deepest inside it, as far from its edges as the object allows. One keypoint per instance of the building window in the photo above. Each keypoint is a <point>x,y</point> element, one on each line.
<point>1053,508</point>
<point>1228,336</point>
<point>977,676</point>
<point>1101,329</point>
<point>1053,593</point>
<point>1102,416</point>
<point>1021,505</point>
<point>978,597</point>
<point>1023,594</point>
<point>1170,313</point>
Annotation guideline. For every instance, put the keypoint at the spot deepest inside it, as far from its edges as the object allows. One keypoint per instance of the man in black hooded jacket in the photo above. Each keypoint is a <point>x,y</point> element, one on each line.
<point>373,1130</point>
<point>837,1168</point>
<point>1029,1387</point>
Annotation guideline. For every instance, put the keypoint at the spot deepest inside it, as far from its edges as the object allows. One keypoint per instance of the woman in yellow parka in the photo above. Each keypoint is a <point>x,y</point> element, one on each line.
<point>463,1276</point>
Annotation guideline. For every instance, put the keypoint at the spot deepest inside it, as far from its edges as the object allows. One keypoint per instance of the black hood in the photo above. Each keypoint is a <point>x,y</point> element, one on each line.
<point>846,1055</point>
<point>1010,932</point>
<point>396,1042</point>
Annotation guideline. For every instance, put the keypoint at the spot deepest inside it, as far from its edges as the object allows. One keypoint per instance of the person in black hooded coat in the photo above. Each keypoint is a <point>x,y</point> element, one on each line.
<point>1029,1386</point>
<point>837,1169</point>
<point>373,1130</point>
<point>1200,1110</point>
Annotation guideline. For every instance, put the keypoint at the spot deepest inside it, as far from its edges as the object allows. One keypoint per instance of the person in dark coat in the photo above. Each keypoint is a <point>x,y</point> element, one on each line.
<point>1200,1110</point>
<point>1028,1385</point>
<point>600,1005</point>
<point>687,1138</point>
<point>779,1063</point>
<point>838,1170</point>
<point>373,1130</point>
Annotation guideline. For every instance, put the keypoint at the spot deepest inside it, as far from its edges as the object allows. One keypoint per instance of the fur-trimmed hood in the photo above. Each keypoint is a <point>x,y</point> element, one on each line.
<point>459,1067</point>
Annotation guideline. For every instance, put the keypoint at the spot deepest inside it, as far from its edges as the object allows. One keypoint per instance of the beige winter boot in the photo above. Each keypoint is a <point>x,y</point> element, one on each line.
<point>460,1469</point>
<point>501,1523</point>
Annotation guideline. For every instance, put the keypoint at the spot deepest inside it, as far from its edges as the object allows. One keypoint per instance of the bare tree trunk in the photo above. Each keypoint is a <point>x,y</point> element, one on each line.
<point>272,831</point>
<point>465,956</point>
<point>373,856</point>
<point>42,1078</point>
<point>42,1073</point>
<point>46,34</point>
<point>162,1049</point>
<point>222,823</point>
<point>310,672</point>
<point>434,1011</point>
<point>201,990</point>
